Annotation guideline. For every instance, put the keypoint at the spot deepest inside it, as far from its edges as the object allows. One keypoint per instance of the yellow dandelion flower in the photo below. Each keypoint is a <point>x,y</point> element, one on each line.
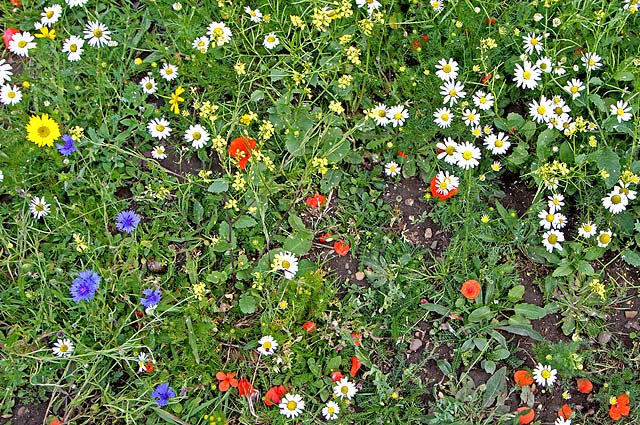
<point>42,130</point>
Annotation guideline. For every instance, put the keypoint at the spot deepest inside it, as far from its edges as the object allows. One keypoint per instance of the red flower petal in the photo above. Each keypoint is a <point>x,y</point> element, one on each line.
<point>356,364</point>
<point>309,327</point>
<point>336,376</point>
<point>316,201</point>
<point>341,247</point>
<point>245,388</point>
<point>8,35</point>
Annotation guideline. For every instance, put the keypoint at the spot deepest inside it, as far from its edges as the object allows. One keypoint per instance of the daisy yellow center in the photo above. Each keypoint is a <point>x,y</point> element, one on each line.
<point>471,117</point>
<point>450,150</point>
<point>574,89</point>
<point>542,110</point>
<point>64,347</point>
<point>97,32</point>
<point>467,155</point>
<point>436,5</point>
<point>148,86</point>
<point>556,202</point>
<point>558,110</point>
<point>453,92</point>
<point>344,389</point>
<point>620,111</point>
<point>11,94</point>
<point>39,208</point>
<point>552,239</point>
<point>44,131</point>
<point>218,32</point>
<point>534,41</point>
<point>543,65</point>
<point>159,127</point>
<point>292,405</point>
<point>73,48</point>
<point>398,115</point>
<point>252,13</point>
<point>286,264</point>
<point>331,410</point>
<point>266,345</point>
<point>616,199</point>
<point>499,143</point>
<point>22,44</point>
<point>545,374</point>
<point>591,62</point>
<point>443,184</point>
<point>196,135</point>
<point>168,71</point>
<point>382,113</point>
<point>605,238</point>
<point>624,190</point>
<point>50,14</point>
<point>445,117</point>
<point>159,151</point>
<point>587,228</point>
<point>446,68</point>
<point>271,39</point>
<point>483,100</point>
<point>549,218</point>
<point>526,75</point>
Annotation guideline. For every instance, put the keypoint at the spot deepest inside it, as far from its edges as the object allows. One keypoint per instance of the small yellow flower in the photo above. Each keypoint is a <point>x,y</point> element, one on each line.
<point>46,33</point>
<point>485,218</point>
<point>26,84</point>
<point>138,61</point>
<point>394,395</point>
<point>239,67</point>
<point>176,99</point>
<point>283,304</point>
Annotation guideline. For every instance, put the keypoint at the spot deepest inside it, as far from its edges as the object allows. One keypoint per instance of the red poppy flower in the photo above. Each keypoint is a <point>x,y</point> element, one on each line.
<point>326,237</point>
<point>565,411</point>
<point>245,388</point>
<point>55,421</point>
<point>471,289</point>
<point>227,380</point>
<point>309,327</point>
<point>486,78</point>
<point>241,147</point>
<point>584,385</point>
<point>415,44</point>
<point>8,35</point>
<point>316,201</point>
<point>523,378</point>
<point>402,154</point>
<point>434,190</point>
<point>528,415</point>
<point>274,395</point>
<point>356,364</point>
<point>357,338</point>
<point>489,21</point>
<point>620,408</point>
<point>148,367</point>
<point>341,247</point>
<point>336,376</point>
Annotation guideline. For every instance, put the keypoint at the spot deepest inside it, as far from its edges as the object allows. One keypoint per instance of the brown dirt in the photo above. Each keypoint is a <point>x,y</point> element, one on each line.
<point>27,415</point>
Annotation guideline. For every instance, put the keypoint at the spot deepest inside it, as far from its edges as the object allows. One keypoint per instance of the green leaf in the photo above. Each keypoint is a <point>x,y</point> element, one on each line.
<point>168,417</point>
<point>314,368</point>
<point>496,385</point>
<point>333,364</point>
<point>586,268</point>
<point>608,160</point>
<point>519,154</point>
<point>247,304</point>
<point>530,311</point>
<point>480,314</point>
<point>296,223</point>
<point>299,243</point>
<point>257,96</point>
<point>564,269</point>
<point>597,101</point>
<point>244,221</point>
<point>436,308</point>
<point>623,76</point>
<point>516,293</point>
<point>192,340</point>
<point>218,186</point>
<point>522,330</point>
<point>489,366</point>
<point>631,257</point>
<point>543,149</point>
<point>499,354</point>
<point>568,325</point>
<point>277,74</point>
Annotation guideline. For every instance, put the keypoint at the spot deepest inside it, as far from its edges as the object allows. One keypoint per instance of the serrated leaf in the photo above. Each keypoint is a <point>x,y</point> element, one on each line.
<point>597,100</point>
<point>586,268</point>
<point>609,161</point>
<point>495,385</point>
<point>247,304</point>
<point>631,257</point>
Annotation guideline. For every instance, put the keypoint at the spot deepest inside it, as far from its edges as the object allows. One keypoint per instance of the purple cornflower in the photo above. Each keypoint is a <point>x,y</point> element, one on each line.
<point>127,221</point>
<point>84,287</point>
<point>68,146</point>
<point>162,394</point>
<point>151,298</point>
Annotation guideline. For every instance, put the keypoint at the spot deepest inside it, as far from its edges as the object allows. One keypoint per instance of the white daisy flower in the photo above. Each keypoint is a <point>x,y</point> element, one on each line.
<point>624,189</point>
<point>483,100</point>
<point>447,70</point>
<point>397,115</point>
<point>527,75</point>
<point>62,348</point>
<point>330,411</point>
<point>254,14</point>
<point>97,34</point>
<point>498,144</point>
<point>443,117</point>
<point>496,166</point>
<point>76,3</point>
<point>39,208</point>
<point>392,169</point>
<point>446,182</point>
<point>588,229</point>
<point>452,92</point>
<point>287,262</point>
<point>559,105</point>
<point>197,136</point>
<point>345,389</point>
<point>159,128</point>
<point>219,33</point>
<point>558,69</point>
<point>615,201</point>
<point>467,156</point>
<point>380,114</point>
<point>159,152</point>
<point>604,238</point>
<point>51,15</point>
<point>547,219</point>
<point>148,85</point>
<point>591,61</point>
<point>72,46</point>
<point>5,71</point>
<point>471,118</point>
<point>631,5</point>
<point>532,42</point>
<point>169,72</point>
<point>21,43</point>
<point>447,150</point>
<point>271,40</point>
<point>10,94</point>
<point>437,5</point>
<point>544,375</point>
<point>562,421</point>
<point>291,405</point>
<point>551,240</point>
<point>267,345</point>
<point>201,44</point>
<point>541,111</point>
<point>555,202</point>
<point>621,110</point>
<point>372,5</point>
<point>544,64</point>
<point>574,87</point>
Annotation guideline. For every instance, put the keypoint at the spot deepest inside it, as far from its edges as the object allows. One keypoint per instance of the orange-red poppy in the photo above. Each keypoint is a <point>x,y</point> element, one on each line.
<point>245,388</point>
<point>227,380</point>
<point>523,377</point>
<point>309,327</point>
<point>565,411</point>
<point>356,364</point>
<point>440,196</point>
<point>8,35</point>
<point>274,395</point>
<point>55,422</point>
<point>584,385</point>
<point>527,415</point>
<point>336,376</point>
<point>148,367</point>
<point>402,154</point>
<point>471,289</point>
<point>17,3</point>
<point>357,338</point>
<point>241,147</point>
<point>316,201</point>
<point>341,247</point>
<point>620,407</point>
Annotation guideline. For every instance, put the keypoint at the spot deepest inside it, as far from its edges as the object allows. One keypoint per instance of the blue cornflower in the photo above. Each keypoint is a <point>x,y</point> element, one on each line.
<point>151,298</point>
<point>162,394</point>
<point>68,146</point>
<point>127,221</point>
<point>84,287</point>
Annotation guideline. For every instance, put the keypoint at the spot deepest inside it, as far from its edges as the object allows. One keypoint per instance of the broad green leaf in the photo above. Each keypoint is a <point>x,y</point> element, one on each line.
<point>218,186</point>
<point>516,293</point>
<point>623,76</point>
<point>496,385</point>
<point>489,366</point>
<point>436,308</point>
<point>247,304</point>
<point>480,314</point>
<point>296,223</point>
<point>564,269</point>
<point>586,268</point>
<point>244,221</point>
<point>299,243</point>
<point>522,330</point>
<point>608,160</point>
<point>530,311</point>
<point>333,364</point>
<point>631,257</point>
<point>192,340</point>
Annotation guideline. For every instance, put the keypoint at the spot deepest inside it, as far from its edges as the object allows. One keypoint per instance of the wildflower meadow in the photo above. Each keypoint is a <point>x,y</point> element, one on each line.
<point>360,211</point>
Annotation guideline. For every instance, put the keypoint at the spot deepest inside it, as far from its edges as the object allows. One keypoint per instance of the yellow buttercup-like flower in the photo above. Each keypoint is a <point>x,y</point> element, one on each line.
<point>175,99</point>
<point>42,130</point>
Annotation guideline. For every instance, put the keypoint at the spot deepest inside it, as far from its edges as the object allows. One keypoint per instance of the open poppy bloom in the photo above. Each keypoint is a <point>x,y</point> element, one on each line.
<point>8,35</point>
<point>565,411</point>
<point>619,407</point>
<point>309,327</point>
<point>523,377</point>
<point>336,376</point>
<point>444,186</point>
<point>471,289</point>
<point>584,385</point>
<point>245,388</point>
<point>356,364</point>
<point>274,395</point>
<point>227,380</point>
<point>241,147</point>
<point>527,416</point>
<point>341,247</point>
<point>316,201</point>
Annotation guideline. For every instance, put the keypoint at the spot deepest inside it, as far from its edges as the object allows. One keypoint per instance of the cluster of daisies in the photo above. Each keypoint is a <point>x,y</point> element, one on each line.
<point>292,405</point>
